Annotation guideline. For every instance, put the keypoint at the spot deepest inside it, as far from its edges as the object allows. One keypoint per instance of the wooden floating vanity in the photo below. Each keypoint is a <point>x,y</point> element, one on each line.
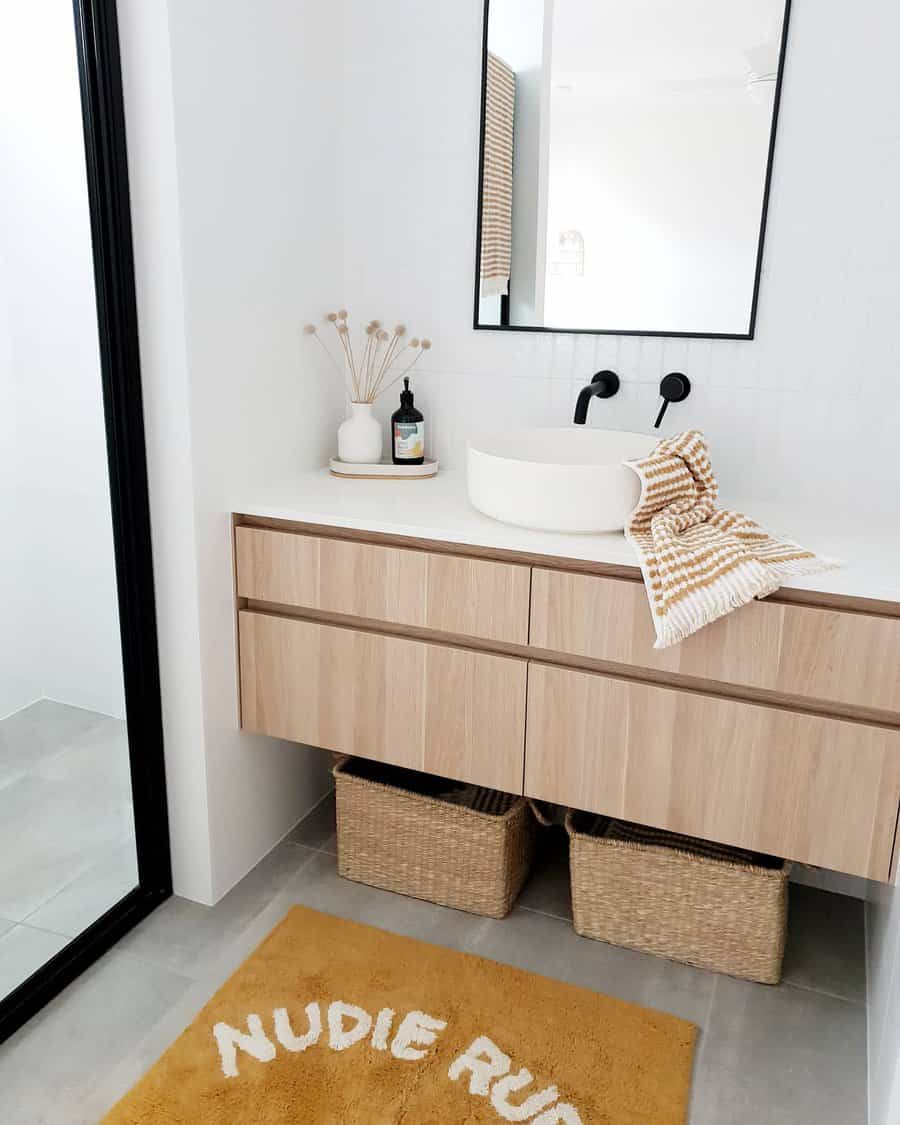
<point>775,729</point>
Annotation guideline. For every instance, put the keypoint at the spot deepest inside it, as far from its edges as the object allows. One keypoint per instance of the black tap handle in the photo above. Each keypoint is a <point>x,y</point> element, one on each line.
<point>674,387</point>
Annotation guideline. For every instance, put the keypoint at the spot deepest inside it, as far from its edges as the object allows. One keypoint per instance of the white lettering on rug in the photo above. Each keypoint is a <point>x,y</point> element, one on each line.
<point>484,1061</point>
<point>419,1029</point>
<point>382,1033</point>
<point>562,1114</point>
<point>339,1037</point>
<point>532,1105</point>
<point>488,1067</point>
<point>285,1032</point>
<point>256,1043</point>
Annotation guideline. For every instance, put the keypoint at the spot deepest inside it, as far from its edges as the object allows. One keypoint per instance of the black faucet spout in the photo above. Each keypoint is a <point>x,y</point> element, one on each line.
<point>603,385</point>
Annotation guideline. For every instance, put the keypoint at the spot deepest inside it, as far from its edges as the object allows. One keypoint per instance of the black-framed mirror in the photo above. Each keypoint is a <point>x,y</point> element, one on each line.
<point>84,848</point>
<point>626,158</point>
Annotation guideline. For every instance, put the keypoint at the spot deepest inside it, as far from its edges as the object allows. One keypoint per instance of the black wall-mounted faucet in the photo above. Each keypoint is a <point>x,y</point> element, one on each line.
<point>603,385</point>
<point>674,387</point>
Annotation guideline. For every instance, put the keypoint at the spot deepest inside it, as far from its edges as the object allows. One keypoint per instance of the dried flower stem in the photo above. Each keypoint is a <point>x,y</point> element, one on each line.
<point>364,362</point>
<point>405,371</point>
<point>375,369</point>
<point>343,337</point>
<point>334,362</point>
<point>389,357</point>
<point>377,360</point>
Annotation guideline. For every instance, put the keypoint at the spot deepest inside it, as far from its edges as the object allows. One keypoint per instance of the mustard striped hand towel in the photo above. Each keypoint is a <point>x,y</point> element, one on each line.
<point>700,562</point>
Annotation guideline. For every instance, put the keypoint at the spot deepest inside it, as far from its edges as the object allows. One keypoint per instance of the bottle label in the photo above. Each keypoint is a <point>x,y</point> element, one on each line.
<point>409,439</point>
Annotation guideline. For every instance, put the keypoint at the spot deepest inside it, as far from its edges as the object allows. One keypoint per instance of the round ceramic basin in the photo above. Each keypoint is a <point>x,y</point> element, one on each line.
<point>568,479</point>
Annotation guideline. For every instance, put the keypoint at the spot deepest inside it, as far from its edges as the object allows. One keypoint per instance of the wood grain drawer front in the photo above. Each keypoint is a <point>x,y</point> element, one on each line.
<point>474,597</point>
<point>848,658</point>
<point>817,790</point>
<point>446,711</point>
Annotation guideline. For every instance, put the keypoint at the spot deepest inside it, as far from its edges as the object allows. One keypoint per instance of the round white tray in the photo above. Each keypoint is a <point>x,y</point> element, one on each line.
<point>384,470</point>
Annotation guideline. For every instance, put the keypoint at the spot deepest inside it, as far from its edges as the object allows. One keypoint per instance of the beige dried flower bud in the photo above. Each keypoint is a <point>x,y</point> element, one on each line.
<point>426,344</point>
<point>414,342</point>
<point>309,330</point>
<point>370,328</point>
<point>332,317</point>
<point>400,330</point>
<point>376,323</point>
<point>342,314</point>
<point>382,335</point>
<point>343,329</point>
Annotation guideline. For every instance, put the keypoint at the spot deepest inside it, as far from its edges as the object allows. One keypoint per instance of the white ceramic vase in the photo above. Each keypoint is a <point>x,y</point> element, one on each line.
<point>360,436</point>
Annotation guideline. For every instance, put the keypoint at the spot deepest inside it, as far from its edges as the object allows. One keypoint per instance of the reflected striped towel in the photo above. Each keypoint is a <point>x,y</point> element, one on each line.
<point>496,198</point>
<point>700,562</point>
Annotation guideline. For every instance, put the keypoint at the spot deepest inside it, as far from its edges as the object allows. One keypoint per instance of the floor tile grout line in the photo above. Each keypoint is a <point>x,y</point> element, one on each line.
<point>68,887</point>
<point>40,929</point>
<point>150,963</point>
<point>321,801</point>
<point>308,848</point>
<point>549,914</point>
<point>784,983</point>
<point>696,1081</point>
<point>822,992</point>
<point>187,973</point>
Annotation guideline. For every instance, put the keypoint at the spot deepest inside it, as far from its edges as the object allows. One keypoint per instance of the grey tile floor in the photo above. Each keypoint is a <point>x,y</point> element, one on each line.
<point>791,1055</point>
<point>66,830</point>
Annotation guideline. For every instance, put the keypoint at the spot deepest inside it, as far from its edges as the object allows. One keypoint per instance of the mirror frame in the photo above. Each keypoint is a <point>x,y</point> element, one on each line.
<point>505,326</point>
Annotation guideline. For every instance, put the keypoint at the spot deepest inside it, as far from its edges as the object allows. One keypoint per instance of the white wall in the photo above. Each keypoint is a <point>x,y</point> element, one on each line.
<point>19,680</point>
<point>233,156</point>
<point>54,461</point>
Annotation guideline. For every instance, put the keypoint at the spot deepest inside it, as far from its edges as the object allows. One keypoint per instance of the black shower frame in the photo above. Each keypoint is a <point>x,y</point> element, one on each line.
<point>103,114</point>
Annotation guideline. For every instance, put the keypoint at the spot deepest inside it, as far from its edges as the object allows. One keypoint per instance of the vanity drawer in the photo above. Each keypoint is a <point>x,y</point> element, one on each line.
<point>847,658</point>
<point>473,597</point>
<point>429,707</point>
<point>817,790</point>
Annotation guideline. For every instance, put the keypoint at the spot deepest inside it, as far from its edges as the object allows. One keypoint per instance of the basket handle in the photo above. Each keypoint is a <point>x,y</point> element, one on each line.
<point>539,815</point>
<point>342,760</point>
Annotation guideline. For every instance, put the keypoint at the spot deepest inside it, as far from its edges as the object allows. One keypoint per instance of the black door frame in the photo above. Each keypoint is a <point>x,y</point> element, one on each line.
<point>103,113</point>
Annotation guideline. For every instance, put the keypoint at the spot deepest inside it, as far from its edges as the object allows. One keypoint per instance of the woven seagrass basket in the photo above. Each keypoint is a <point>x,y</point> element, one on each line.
<point>707,905</point>
<point>459,846</point>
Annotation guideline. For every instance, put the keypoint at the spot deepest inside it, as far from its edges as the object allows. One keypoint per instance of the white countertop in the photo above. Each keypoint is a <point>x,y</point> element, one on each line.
<point>439,509</point>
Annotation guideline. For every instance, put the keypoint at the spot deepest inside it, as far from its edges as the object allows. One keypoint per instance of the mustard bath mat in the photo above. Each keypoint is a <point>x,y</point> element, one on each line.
<point>334,1023</point>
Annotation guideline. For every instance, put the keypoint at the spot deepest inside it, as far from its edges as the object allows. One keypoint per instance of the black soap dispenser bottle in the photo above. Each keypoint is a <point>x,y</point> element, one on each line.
<point>407,431</point>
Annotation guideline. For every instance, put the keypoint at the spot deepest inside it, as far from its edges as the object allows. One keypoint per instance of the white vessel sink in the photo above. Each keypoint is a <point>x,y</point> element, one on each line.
<point>566,479</point>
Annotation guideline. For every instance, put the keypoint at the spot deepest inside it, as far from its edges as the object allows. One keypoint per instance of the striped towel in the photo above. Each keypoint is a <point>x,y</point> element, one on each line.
<point>496,199</point>
<point>700,562</point>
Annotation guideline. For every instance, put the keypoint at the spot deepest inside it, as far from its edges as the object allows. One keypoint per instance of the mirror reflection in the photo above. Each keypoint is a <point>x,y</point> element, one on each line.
<point>624,163</point>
